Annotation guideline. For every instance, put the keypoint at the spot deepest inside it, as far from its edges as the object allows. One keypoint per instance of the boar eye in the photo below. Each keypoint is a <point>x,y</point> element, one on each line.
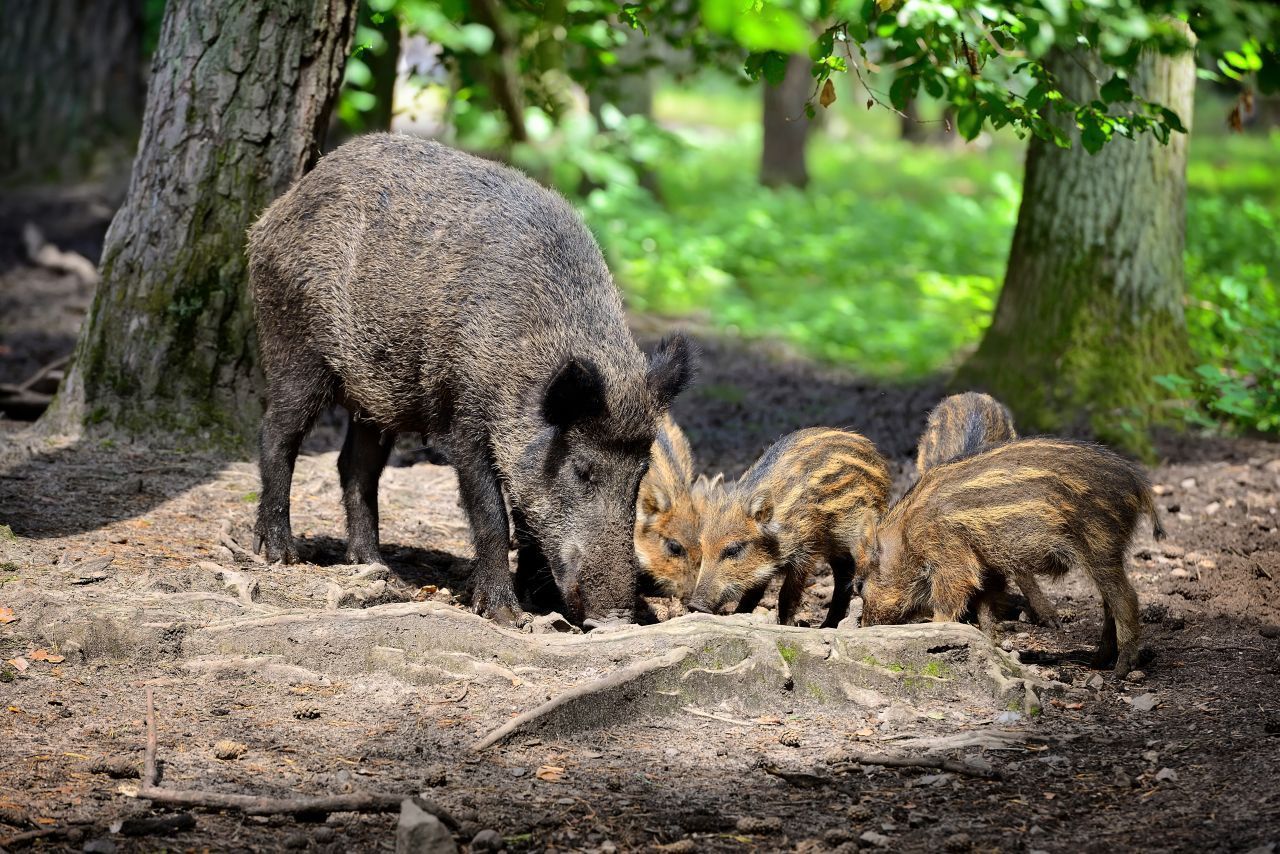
<point>733,550</point>
<point>674,549</point>
<point>584,471</point>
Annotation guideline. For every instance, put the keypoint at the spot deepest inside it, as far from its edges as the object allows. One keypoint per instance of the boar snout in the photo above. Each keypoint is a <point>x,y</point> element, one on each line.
<point>613,618</point>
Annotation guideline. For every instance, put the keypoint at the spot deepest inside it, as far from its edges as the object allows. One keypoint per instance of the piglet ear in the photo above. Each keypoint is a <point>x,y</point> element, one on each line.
<point>671,369</point>
<point>761,507</point>
<point>653,498</point>
<point>575,394</point>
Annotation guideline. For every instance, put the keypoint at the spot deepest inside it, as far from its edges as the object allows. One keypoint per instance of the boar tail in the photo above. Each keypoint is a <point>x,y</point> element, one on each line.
<point>1157,529</point>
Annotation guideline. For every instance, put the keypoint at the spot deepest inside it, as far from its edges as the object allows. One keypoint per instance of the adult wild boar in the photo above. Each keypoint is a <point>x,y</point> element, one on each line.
<point>434,292</point>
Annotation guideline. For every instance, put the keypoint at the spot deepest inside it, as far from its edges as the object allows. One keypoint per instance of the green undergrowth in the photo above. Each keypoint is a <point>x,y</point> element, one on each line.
<point>890,262</point>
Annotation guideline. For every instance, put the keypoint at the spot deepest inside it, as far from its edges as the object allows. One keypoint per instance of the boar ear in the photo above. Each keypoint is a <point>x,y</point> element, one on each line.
<point>653,499</point>
<point>761,507</point>
<point>671,369</point>
<point>575,393</point>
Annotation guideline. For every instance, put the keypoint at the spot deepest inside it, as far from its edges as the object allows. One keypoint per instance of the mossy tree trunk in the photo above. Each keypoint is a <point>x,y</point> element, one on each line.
<point>1091,309</point>
<point>72,84</point>
<point>786,128</point>
<point>239,92</point>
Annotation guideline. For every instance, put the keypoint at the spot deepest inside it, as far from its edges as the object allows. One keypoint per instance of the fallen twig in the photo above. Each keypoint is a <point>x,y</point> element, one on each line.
<point>447,700</point>
<point>937,763</point>
<point>31,836</point>
<point>227,540</point>
<point>694,710</point>
<point>256,805</point>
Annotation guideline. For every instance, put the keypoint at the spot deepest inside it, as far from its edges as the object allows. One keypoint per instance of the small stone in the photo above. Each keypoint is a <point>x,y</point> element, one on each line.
<point>343,777</point>
<point>420,832</point>
<point>1096,682</point>
<point>1170,550</point>
<point>1008,717</point>
<point>547,624</point>
<point>837,835</point>
<point>1007,645</point>
<point>1145,702</point>
<point>1206,563</point>
<point>488,840</point>
<point>1135,676</point>
<point>790,738</point>
<point>750,824</point>
<point>957,843</point>
<point>1212,507</point>
<point>1151,756</point>
<point>608,847</point>
<point>518,771</point>
<point>879,840</point>
<point>227,749</point>
<point>1188,483</point>
<point>435,776</point>
<point>324,833</point>
<point>1166,774</point>
<point>101,845</point>
<point>1161,488</point>
<point>442,595</point>
<point>295,840</point>
<point>1179,574</point>
<point>1121,778</point>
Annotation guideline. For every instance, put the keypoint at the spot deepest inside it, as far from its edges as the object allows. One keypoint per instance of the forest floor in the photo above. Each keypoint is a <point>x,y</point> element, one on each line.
<point>125,571</point>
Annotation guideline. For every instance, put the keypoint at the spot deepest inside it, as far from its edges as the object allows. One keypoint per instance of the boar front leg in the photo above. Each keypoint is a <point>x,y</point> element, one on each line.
<point>364,455</point>
<point>792,592</point>
<point>1041,606</point>
<point>493,595</point>
<point>842,570</point>
<point>294,403</point>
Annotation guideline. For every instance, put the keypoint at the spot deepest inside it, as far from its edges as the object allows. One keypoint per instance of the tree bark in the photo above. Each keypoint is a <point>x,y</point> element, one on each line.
<point>1091,308</point>
<point>239,93</point>
<point>71,74</point>
<point>786,128</point>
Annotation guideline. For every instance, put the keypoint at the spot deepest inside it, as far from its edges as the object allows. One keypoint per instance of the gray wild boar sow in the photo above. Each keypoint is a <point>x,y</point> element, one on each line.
<point>669,514</point>
<point>812,496</point>
<point>962,424</point>
<point>434,292</point>
<point>1027,507</point>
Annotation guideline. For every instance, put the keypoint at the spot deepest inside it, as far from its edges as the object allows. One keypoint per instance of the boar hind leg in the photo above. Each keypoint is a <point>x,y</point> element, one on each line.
<point>535,585</point>
<point>493,594</point>
<point>364,455</point>
<point>292,408</point>
<point>1121,627</point>
<point>842,569</point>
<point>1041,605</point>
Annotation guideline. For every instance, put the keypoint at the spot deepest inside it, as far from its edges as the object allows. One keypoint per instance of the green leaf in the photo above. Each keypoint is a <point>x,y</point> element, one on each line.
<point>1171,119</point>
<point>904,89</point>
<point>969,122</point>
<point>1116,89</point>
<point>775,67</point>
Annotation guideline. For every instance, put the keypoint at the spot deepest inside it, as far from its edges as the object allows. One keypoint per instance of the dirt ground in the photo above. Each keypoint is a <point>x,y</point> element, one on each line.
<point>1186,757</point>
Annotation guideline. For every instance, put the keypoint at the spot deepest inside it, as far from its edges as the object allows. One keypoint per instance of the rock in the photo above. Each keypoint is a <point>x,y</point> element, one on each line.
<point>1135,676</point>
<point>1145,702</point>
<point>1096,682</point>
<point>1008,717</point>
<point>1007,645</point>
<point>1212,507</point>
<point>879,840</point>
<point>323,834</point>
<point>370,572</point>
<point>227,749</point>
<point>1188,483</point>
<point>1121,778</point>
<point>295,840</point>
<point>957,843</point>
<point>837,835</point>
<point>1206,563</point>
<point>754,825</point>
<point>488,840</point>
<point>1151,756</point>
<point>442,595</point>
<point>435,776</point>
<point>1179,574</point>
<point>1166,774</point>
<point>518,771</point>
<point>545,624</point>
<point>790,738</point>
<point>101,845</point>
<point>420,832</point>
<point>1271,632</point>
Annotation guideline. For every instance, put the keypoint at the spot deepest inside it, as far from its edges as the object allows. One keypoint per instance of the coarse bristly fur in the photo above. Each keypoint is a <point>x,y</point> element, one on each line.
<point>669,512</point>
<point>431,291</point>
<point>962,424</point>
<point>1031,506</point>
<point>812,496</point>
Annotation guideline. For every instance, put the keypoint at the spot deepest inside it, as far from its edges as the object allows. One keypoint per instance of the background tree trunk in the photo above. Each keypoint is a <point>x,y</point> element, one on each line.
<point>71,74</point>
<point>383,65</point>
<point>786,128</point>
<point>1091,308</point>
<point>239,92</point>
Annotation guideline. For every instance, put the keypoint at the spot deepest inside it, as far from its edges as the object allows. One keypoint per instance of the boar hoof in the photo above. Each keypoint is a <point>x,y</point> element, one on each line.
<point>501,609</point>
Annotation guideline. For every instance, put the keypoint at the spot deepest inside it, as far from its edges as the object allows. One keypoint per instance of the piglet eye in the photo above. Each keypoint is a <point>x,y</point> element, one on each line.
<point>674,549</point>
<point>583,471</point>
<point>733,550</point>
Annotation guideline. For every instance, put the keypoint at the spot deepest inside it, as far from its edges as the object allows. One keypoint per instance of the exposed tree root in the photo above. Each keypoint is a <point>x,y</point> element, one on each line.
<point>610,689</point>
<point>255,805</point>
<point>939,763</point>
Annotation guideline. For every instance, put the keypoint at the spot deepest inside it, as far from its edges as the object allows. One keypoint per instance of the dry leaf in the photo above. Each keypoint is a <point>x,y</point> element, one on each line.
<point>6,614</point>
<point>769,720</point>
<point>551,773</point>
<point>19,664</point>
<point>43,655</point>
<point>828,96</point>
<point>425,592</point>
<point>1048,796</point>
<point>865,732</point>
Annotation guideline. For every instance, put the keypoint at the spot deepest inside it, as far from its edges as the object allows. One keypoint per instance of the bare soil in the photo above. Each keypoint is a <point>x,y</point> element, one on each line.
<point>337,679</point>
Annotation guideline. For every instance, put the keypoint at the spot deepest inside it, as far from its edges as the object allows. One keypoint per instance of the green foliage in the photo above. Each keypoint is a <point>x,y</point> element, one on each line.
<point>986,58</point>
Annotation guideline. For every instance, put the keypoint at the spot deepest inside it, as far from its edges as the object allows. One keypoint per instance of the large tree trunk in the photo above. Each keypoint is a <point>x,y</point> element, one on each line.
<point>71,78</point>
<point>239,92</point>
<point>786,128</point>
<point>1091,309</point>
